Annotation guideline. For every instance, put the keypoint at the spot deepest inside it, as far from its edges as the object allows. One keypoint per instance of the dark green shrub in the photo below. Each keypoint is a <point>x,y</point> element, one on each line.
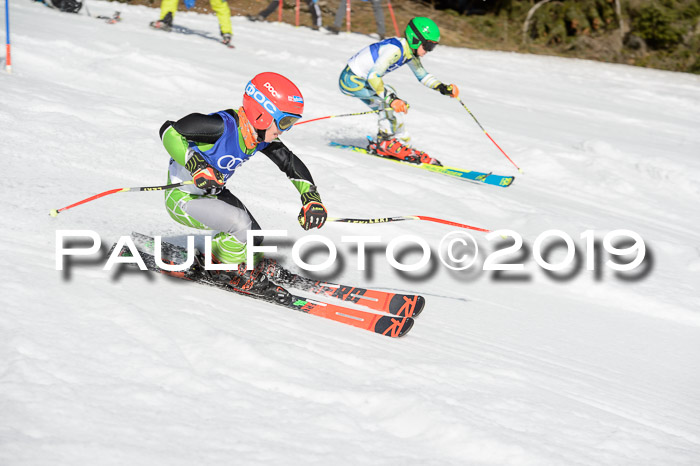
<point>655,27</point>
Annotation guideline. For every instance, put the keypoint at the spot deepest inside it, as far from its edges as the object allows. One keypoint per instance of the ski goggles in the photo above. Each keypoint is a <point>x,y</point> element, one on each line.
<point>428,45</point>
<point>283,120</point>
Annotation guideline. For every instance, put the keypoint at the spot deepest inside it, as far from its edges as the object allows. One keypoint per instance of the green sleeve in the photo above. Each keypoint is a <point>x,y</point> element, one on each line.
<point>176,145</point>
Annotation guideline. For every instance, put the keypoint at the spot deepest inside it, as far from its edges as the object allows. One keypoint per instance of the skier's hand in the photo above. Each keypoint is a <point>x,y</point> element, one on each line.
<point>451,89</point>
<point>205,177</point>
<point>397,104</point>
<point>209,179</point>
<point>313,214</point>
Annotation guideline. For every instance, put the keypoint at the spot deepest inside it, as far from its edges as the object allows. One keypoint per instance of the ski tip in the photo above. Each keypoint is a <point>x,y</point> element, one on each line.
<point>510,182</point>
<point>404,305</point>
<point>53,213</point>
<point>393,326</point>
<point>420,304</point>
<point>407,326</point>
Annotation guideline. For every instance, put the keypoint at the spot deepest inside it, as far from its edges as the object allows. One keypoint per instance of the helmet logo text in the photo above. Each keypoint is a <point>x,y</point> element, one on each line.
<point>260,98</point>
<point>272,90</point>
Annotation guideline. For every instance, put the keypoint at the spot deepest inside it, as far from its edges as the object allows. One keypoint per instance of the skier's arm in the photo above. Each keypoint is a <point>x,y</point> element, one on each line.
<point>313,214</point>
<point>291,165</point>
<point>203,130</point>
<point>430,81</point>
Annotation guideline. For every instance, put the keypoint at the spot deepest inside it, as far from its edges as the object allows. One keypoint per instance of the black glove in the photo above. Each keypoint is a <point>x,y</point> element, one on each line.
<point>451,89</point>
<point>205,177</point>
<point>313,214</point>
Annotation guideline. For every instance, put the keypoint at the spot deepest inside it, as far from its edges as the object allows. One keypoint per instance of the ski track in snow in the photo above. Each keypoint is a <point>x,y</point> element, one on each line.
<point>129,368</point>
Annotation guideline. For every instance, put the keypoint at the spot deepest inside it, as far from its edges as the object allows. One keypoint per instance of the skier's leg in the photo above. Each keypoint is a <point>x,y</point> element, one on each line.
<point>315,14</point>
<point>167,13</point>
<point>391,124</point>
<point>224,213</point>
<point>223,14</point>
<point>354,86</point>
<point>379,18</point>
<point>168,6</point>
<point>339,16</point>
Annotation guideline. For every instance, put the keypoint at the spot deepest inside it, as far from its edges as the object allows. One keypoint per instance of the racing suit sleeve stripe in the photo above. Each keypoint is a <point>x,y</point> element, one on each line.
<point>425,78</point>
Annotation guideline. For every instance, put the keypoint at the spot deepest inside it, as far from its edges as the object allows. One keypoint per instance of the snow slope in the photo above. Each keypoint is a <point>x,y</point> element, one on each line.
<point>127,368</point>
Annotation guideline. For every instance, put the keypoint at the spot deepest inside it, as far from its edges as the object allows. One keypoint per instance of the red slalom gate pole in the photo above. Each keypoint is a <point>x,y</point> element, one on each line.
<point>393,18</point>
<point>55,212</point>
<point>279,12</point>
<point>405,217</point>
<point>347,16</point>
<point>296,15</point>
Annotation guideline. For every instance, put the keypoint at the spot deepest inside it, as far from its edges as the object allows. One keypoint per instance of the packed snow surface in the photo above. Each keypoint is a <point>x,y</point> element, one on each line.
<point>585,367</point>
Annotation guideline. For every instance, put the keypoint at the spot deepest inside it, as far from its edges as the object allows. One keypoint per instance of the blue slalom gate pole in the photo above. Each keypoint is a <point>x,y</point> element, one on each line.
<point>8,59</point>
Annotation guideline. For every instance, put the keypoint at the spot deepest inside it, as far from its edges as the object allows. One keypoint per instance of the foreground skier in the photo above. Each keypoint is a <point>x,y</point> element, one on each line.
<point>208,148</point>
<point>362,78</point>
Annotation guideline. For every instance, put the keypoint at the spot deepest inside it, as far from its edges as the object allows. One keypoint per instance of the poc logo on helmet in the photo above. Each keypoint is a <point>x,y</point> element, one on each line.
<point>260,98</point>
<point>272,90</point>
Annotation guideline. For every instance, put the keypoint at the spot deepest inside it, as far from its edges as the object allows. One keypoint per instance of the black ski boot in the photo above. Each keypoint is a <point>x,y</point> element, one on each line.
<point>276,272</point>
<point>164,24</point>
<point>255,281</point>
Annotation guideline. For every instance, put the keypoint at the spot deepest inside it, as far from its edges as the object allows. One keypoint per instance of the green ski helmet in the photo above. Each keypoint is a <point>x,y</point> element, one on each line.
<point>422,31</point>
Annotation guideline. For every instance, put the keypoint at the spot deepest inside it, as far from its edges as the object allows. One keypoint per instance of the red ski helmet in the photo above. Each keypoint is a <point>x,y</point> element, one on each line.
<point>272,97</point>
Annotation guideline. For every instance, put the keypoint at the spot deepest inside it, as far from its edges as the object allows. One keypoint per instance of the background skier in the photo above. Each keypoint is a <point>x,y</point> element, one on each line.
<point>209,148</point>
<point>378,17</point>
<point>314,10</point>
<point>220,7</point>
<point>362,78</point>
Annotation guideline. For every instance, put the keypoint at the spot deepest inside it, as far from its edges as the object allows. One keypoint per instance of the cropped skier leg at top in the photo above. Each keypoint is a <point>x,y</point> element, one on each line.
<point>223,14</point>
<point>168,8</point>
<point>315,11</point>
